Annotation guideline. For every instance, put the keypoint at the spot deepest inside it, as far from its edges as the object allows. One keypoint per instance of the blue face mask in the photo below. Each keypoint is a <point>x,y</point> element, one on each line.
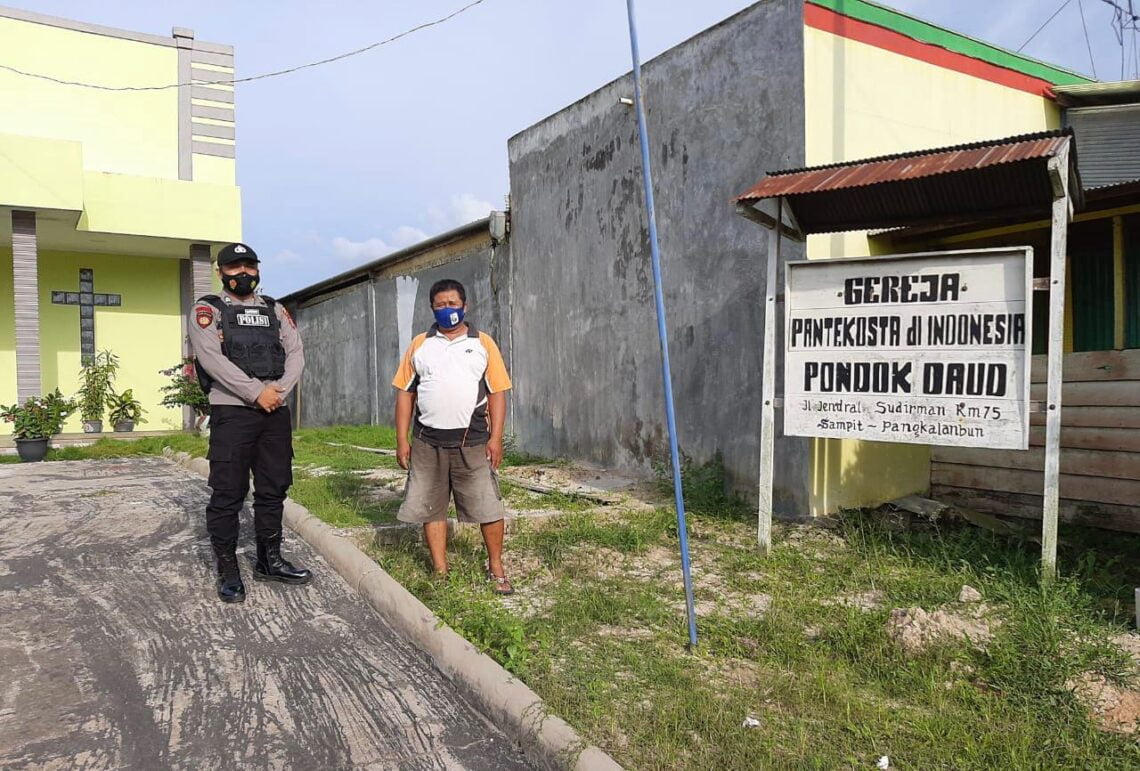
<point>448,318</point>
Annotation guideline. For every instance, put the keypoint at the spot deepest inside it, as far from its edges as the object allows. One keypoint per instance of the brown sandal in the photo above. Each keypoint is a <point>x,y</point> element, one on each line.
<point>502,584</point>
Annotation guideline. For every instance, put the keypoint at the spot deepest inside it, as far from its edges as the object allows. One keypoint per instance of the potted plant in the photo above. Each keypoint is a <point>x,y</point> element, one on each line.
<point>124,411</point>
<point>183,390</point>
<point>36,421</point>
<point>96,379</point>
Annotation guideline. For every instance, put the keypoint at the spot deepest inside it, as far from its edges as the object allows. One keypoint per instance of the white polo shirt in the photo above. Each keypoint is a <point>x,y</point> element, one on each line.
<point>451,380</point>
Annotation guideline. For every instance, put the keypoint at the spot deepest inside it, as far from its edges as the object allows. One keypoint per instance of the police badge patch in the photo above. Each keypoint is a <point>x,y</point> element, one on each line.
<point>204,315</point>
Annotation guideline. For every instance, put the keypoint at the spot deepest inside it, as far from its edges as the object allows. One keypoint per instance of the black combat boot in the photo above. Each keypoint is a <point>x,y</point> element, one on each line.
<point>230,587</point>
<point>271,566</point>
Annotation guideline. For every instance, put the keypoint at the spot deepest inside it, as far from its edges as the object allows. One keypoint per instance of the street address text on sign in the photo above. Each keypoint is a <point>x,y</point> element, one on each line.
<point>927,348</point>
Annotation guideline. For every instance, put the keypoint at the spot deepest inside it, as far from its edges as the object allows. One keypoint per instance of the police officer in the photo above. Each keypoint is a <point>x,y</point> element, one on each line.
<point>249,357</point>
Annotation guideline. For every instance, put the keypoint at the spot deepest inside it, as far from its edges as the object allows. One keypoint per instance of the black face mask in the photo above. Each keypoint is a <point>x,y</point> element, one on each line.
<point>241,285</point>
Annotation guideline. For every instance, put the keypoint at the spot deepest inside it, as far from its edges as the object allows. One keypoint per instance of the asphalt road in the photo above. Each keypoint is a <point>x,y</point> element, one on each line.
<point>114,652</point>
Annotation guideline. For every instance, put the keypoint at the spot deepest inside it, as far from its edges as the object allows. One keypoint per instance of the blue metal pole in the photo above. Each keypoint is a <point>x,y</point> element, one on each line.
<point>674,454</point>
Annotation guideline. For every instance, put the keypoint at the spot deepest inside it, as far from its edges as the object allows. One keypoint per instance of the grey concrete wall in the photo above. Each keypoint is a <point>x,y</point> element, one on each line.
<point>345,380</point>
<point>723,108</point>
<point>336,384</point>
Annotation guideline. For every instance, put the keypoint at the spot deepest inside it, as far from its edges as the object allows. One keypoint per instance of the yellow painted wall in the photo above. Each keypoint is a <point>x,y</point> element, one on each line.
<point>112,155</point>
<point>132,132</point>
<point>165,208</point>
<point>146,331</point>
<point>40,173</point>
<point>7,336</point>
<point>862,101</point>
<point>215,171</point>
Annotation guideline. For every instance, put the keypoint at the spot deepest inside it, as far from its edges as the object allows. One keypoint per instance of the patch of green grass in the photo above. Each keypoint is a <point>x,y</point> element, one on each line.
<point>383,437</point>
<point>312,448</point>
<point>464,600</point>
<point>342,499</point>
<point>513,456</point>
<point>521,498</point>
<point>705,491</point>
<point>605,647</point>
<point>553,541</point>
<point>125,448</point>
<point>151,445</point>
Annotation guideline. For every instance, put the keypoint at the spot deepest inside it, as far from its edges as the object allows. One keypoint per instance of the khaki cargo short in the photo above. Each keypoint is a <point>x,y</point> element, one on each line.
<point>438,473</point>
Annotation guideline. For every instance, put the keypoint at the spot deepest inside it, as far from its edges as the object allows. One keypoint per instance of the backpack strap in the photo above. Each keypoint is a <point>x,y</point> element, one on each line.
<point>213,300</point>
<point>204,379</point>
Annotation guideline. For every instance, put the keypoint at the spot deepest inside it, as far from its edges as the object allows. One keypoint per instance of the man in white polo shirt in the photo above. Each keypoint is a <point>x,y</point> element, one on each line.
<point>451,397</point>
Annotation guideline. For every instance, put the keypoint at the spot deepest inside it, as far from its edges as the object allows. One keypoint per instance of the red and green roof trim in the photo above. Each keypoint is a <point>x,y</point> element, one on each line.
<point>894,31</point>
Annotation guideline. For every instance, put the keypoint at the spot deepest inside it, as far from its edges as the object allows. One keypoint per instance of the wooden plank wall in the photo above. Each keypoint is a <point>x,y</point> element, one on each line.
<point>1100,450</point>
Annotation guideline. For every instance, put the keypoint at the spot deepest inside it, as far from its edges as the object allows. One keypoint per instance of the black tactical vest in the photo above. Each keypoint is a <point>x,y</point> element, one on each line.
<point>251,337</point>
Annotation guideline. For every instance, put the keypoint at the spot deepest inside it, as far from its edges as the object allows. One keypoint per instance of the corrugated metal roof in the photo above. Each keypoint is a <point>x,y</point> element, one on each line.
<point>903,166</point>
<point>1130,189</point>
<point>1087,94</point>
<point>963,181</point>
<point>1108,140</point>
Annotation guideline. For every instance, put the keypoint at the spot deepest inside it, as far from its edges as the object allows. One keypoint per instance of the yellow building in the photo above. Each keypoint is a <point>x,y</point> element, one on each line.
<point>115,182</point>
<point>880,82</point>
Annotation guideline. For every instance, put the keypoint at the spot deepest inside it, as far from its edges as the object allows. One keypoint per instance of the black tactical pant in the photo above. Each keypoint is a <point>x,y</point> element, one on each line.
<point>244,439</point>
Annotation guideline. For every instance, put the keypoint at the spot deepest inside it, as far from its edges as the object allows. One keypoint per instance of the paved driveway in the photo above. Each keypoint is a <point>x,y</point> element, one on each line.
<point>114,652</point>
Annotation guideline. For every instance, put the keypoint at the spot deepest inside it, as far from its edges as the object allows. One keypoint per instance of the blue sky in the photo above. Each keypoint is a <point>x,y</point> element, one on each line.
<point>343,163</point>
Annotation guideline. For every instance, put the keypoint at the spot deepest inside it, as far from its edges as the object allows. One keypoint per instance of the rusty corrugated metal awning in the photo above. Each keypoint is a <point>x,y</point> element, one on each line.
<point>974,181</point>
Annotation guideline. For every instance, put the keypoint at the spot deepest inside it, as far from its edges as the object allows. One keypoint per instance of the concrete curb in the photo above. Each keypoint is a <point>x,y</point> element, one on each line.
<point>547,740</point>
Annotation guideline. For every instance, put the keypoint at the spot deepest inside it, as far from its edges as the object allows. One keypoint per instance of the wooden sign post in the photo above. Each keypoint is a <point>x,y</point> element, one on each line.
<point>1062,214</point>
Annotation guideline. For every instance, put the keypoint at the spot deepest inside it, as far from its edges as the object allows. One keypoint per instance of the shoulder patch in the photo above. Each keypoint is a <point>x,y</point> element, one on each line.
<point>288,316</point>
<point>204,315</point>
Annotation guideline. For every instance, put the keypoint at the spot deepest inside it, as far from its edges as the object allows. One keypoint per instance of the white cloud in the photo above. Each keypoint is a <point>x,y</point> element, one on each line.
<point>462,208</point>
<point>406,235</point>
<point>285,257</point>
<point>347,250</point>
<point>355,252</point>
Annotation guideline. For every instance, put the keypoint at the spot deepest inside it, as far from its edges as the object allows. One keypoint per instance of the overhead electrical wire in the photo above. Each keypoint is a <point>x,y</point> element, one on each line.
<point>262,76</point>
<point>1088,43</point>
<point>1043,26</point>
<point>1124,20</point>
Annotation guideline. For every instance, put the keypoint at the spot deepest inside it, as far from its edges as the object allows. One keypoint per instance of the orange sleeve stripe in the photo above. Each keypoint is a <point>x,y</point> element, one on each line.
<point>406,373</point>
<point>496,377</point>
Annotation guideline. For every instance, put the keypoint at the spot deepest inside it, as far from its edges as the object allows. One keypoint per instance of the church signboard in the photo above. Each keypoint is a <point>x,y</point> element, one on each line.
<point>925,348</point>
